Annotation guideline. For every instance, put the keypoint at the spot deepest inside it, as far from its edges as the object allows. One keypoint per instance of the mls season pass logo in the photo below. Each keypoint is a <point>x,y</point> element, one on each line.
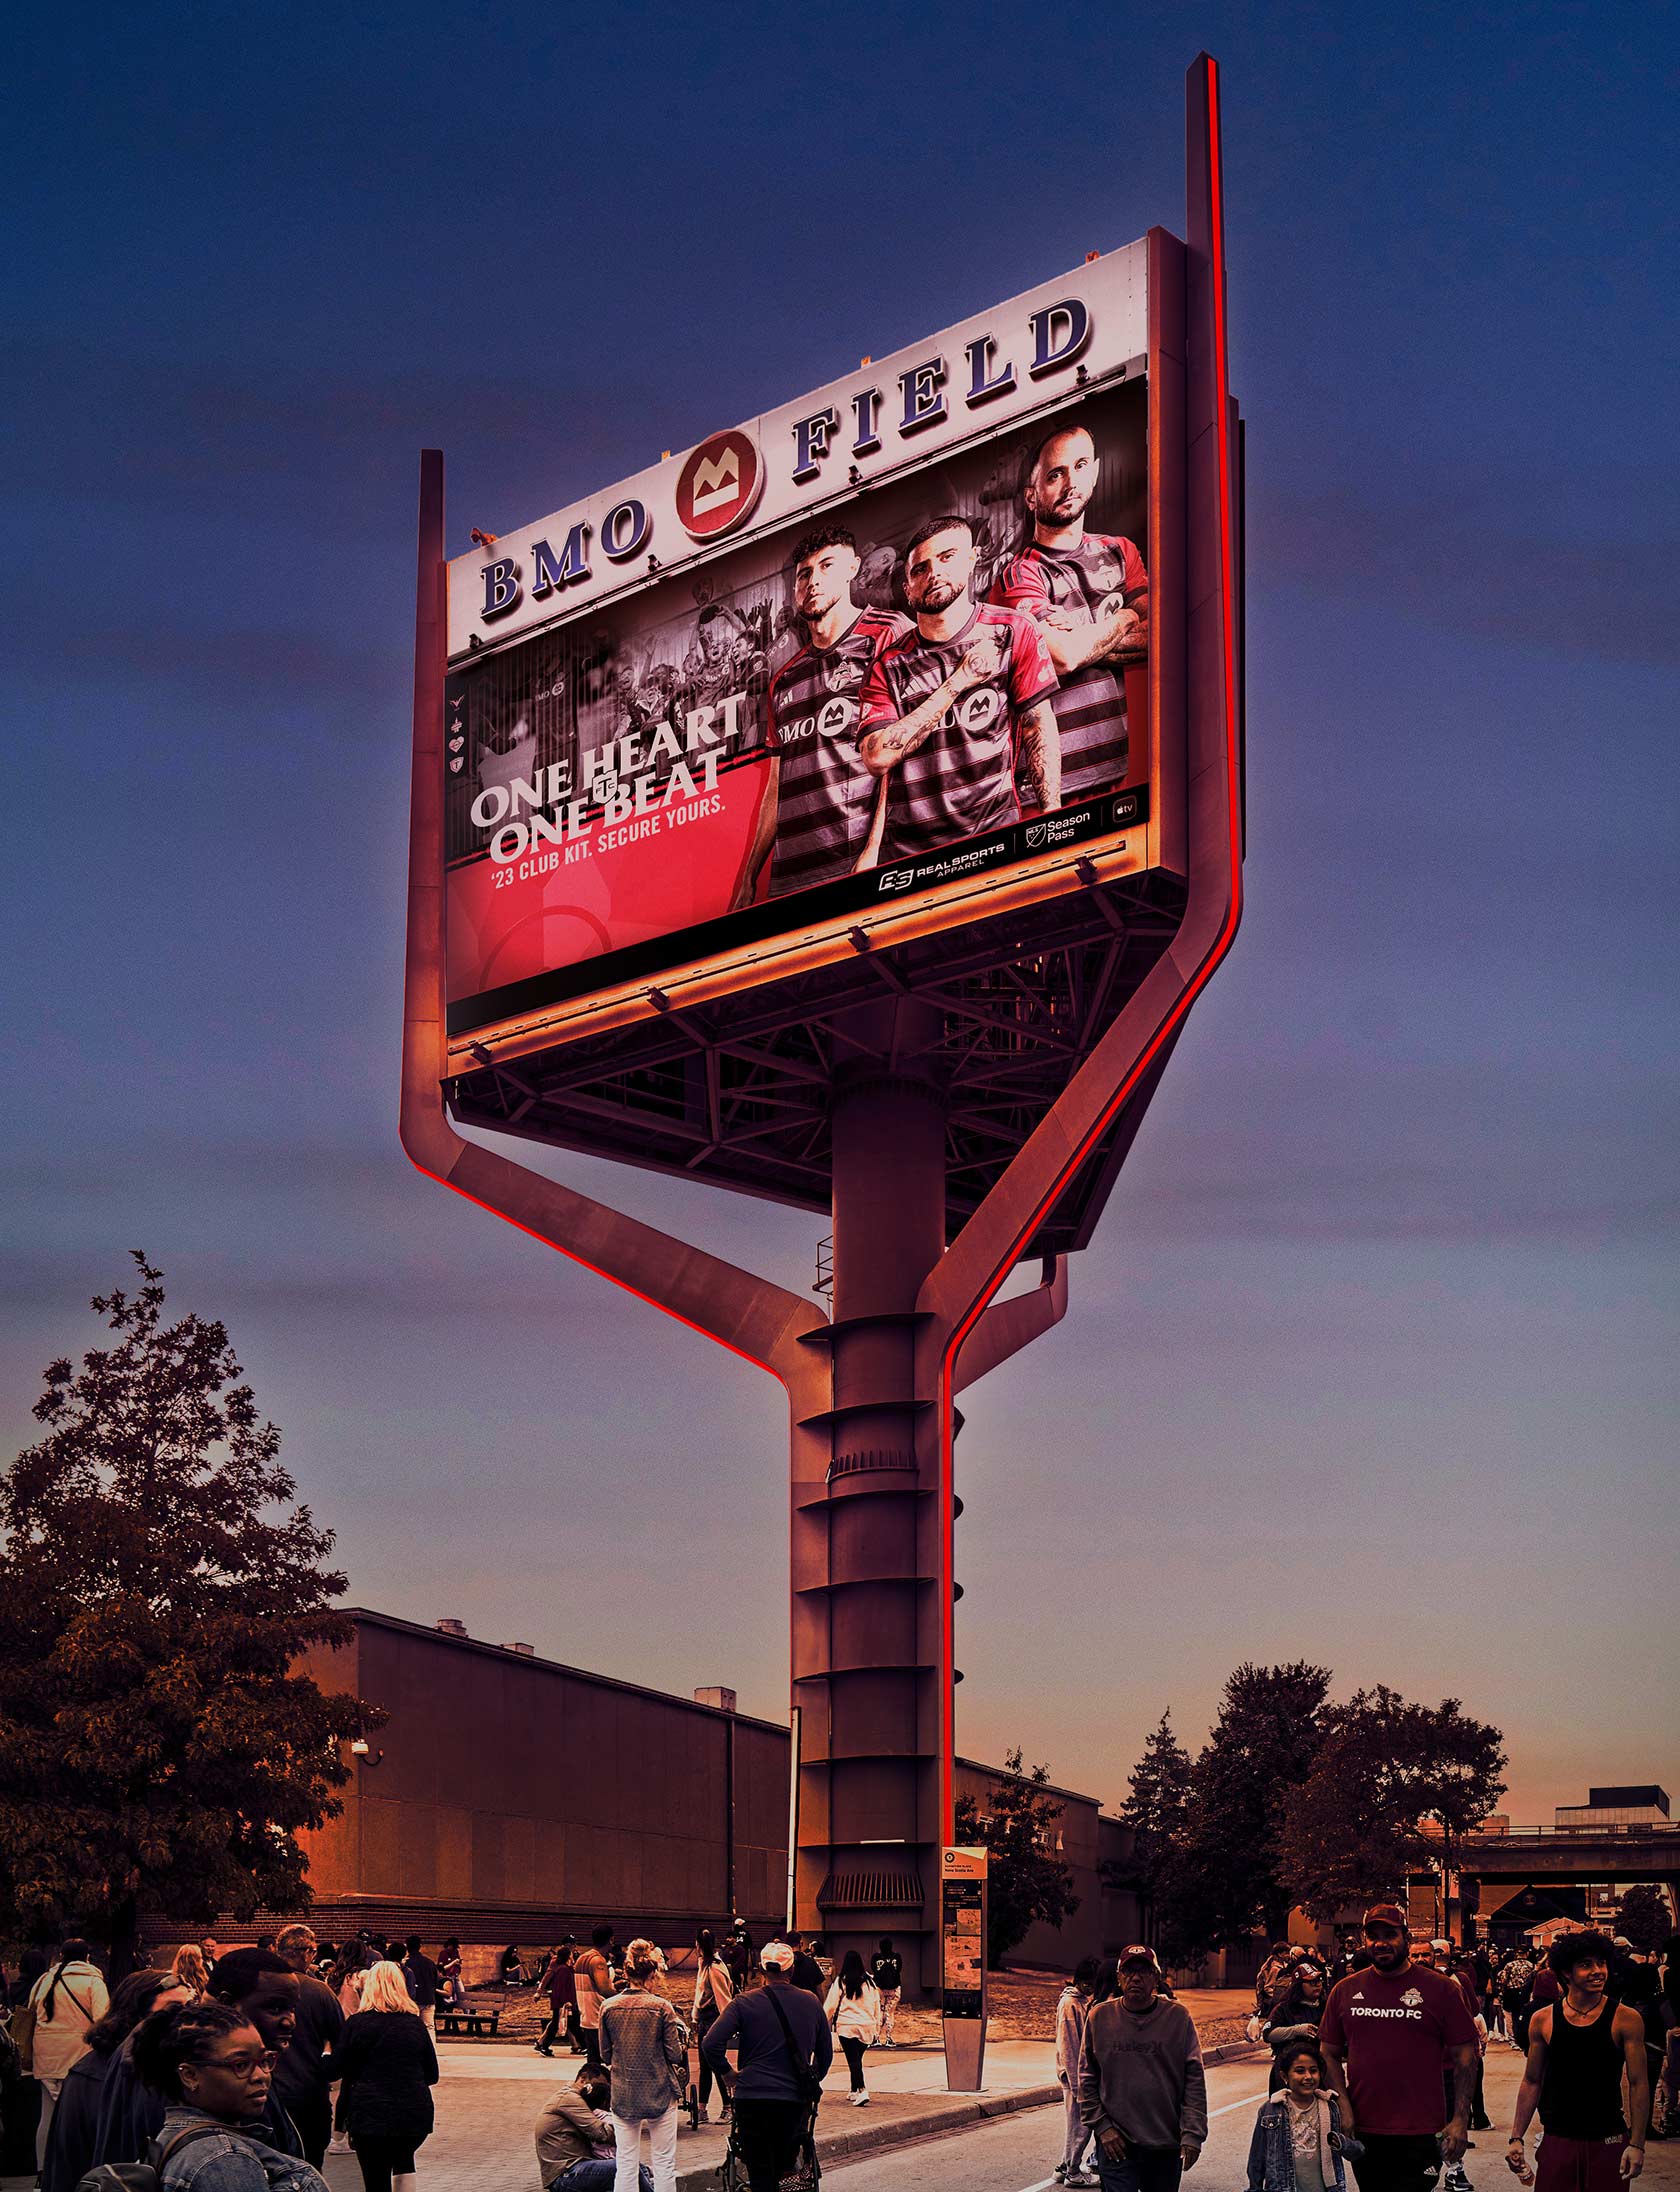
<point>719,485</point>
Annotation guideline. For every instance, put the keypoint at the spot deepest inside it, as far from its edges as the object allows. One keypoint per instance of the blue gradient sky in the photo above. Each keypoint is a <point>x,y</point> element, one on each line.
<point>1374,1359</point>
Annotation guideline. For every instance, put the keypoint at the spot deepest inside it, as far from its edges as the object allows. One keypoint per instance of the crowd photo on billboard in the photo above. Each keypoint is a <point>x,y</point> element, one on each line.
<point>921,665</point>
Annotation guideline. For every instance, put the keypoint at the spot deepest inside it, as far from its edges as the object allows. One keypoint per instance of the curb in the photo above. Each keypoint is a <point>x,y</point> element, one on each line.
<point>834,2146</point>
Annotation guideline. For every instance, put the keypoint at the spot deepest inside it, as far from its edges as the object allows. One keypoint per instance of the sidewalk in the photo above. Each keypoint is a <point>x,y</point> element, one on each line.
<point>483,2138</point>
<point>490,2095</point>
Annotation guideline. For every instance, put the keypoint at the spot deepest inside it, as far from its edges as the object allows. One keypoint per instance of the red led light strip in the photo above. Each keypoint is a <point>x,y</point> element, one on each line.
<point>1216,952</point>
<point>572,1256</point>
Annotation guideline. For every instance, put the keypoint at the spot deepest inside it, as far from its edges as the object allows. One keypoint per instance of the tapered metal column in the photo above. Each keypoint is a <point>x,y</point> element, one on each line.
<point>869,1703</point>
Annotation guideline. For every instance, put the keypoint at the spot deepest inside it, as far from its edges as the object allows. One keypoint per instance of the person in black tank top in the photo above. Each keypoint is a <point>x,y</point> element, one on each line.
<point>1578,2050</point>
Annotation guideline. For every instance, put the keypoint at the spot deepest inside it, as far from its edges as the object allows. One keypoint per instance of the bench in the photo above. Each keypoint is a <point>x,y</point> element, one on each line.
<point>477,2024</point>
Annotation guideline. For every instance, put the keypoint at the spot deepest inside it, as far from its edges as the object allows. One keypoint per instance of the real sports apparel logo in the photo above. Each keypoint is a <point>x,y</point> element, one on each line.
<point>719,484</point>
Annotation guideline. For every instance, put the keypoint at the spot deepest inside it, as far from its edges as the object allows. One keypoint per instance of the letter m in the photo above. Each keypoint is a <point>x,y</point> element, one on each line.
<point>570,570</point>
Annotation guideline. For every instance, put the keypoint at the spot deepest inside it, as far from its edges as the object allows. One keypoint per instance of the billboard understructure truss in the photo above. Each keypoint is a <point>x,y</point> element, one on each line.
<point>738,1091</point>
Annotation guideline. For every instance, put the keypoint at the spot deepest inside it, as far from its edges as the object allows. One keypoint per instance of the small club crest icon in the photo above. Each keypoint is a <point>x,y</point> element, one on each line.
<point>1411,1999</point>
<point>1037,832</point>
<point>719,485</point>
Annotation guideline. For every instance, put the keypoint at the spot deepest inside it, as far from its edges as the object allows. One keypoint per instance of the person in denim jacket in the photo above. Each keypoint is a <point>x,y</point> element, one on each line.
<point>209,2065</point>
<point>1299,2143</point>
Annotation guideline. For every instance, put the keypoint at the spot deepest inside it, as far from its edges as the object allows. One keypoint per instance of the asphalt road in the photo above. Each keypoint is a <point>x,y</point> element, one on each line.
<point>1018,2153</point>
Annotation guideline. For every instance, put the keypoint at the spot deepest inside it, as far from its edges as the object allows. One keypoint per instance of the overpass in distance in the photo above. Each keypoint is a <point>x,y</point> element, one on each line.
<point>1575,1856</point>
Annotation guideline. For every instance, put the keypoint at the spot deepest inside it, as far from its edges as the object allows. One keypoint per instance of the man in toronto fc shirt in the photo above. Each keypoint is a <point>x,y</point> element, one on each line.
<point>1089,594</point>
<point>1385,2033</point>
<point>819,798</point>
<point>954,707</point>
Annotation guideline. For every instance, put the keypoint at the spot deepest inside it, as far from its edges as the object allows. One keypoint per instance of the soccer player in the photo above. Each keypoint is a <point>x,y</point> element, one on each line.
<point>952,707</point>
<point>1089,595</point>
<point>819,800</point>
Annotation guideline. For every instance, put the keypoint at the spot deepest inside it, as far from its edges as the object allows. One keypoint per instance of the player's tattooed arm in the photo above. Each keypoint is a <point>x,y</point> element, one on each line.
<point>1041,748</point>
<point>883,748</point>
<point>1072,640</point>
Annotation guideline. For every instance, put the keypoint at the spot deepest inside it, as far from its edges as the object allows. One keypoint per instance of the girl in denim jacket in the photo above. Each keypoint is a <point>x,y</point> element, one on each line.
<point>1298,2142</point>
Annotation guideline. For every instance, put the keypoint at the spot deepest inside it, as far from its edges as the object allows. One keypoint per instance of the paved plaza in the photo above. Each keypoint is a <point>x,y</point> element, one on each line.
<point>922,2138</point>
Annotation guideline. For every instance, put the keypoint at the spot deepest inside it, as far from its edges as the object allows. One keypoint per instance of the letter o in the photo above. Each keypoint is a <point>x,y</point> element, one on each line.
<point>500,849</point>
<point>490,806</point>
<point>624,530</point>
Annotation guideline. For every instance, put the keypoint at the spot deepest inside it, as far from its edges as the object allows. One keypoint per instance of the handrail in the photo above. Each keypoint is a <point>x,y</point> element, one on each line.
<point>1608,1827</point>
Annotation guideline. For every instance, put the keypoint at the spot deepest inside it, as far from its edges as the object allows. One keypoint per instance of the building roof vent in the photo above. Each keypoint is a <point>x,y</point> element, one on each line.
<point>450,1626</point>
<point>525,1651</point>
<point>720,1699</point>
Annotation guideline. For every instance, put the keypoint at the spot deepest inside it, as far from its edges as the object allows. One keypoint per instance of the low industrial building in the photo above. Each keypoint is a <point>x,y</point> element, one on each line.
<point>509,1798</point>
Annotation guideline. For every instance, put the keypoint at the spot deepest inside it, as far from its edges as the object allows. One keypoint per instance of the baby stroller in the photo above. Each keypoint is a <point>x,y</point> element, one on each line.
<point>802,2174</point>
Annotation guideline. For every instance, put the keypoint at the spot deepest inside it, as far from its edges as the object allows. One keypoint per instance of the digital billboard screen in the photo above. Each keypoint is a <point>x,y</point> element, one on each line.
<point>887,641</point>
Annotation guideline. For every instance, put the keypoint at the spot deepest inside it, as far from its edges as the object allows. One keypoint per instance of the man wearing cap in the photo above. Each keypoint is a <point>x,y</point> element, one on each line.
<point>1142,2089</point>
<point>783,2047</point>
<point>1385,2033</point>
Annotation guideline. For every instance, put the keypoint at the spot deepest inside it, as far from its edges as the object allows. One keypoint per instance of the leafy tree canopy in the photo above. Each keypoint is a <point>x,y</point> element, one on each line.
<point>158,1749</point>
<point>1642,1916</point>
<point>1026,1877</point>
<point>1393,1786</point>
<point>1222,1879</point>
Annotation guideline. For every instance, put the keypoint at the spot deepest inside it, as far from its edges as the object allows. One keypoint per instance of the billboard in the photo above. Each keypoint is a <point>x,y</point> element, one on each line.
<point>853,655</point>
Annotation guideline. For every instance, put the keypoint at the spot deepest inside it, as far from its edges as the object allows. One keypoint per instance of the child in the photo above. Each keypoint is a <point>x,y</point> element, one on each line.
<point>1298,2141</point>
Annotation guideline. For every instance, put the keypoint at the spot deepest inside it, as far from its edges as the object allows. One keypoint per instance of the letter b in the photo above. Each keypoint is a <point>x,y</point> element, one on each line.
<point>501,587</point>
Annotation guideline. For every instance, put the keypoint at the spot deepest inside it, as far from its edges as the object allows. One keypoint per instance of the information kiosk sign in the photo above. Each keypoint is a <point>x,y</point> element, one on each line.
<point>962,1971</point>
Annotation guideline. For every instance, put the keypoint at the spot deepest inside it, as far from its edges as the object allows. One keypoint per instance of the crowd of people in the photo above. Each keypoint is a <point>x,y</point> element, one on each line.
<point>230,2070</point>
<point>239,2070</point>
<point>1377,2065</point>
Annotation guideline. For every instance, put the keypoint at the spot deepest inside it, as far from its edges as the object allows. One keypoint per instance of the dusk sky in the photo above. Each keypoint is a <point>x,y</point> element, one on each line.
<point>1374,1358</point>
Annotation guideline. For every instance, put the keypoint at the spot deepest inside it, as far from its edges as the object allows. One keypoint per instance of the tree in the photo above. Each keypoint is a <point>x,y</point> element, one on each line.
<point>158,1749</point>
<point>1026,1878</point>
<point>1642,1916</point>
<point>1393,1787</point>
<point>1155,1811</point>
<point>1222,1878</point>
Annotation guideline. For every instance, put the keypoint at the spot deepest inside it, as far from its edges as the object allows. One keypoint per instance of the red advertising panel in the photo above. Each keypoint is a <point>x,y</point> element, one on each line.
<point>890,641</point>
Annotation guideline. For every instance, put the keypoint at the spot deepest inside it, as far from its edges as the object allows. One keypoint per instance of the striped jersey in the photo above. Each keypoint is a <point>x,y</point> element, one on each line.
<point>961,779</point>
<point>824,795</point>
<point>1103,573</point>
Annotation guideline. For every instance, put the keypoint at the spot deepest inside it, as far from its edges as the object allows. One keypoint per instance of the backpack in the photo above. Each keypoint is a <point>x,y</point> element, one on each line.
<point>146,2176</point>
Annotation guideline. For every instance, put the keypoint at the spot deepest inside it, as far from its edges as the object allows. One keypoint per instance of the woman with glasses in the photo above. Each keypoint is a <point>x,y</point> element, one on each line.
<point>209,2066</point>
<point>389,2067</point>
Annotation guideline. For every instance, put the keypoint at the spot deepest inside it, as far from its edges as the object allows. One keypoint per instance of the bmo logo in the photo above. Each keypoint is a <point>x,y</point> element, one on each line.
<point>977,710</point>
<point>719,485</point>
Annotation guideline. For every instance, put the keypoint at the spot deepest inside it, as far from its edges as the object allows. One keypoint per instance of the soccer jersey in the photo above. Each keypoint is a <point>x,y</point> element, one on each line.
<point>1392,2030</point>
<point>824,794</point>
<point>1102,574</point>
<point>961,779</point>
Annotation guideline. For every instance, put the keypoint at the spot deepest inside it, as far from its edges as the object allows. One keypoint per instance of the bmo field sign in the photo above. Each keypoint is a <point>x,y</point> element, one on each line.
<point>834,674</point>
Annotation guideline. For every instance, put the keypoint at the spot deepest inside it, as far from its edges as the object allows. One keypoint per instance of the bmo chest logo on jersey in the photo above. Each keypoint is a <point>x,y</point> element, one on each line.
<point>834,719</point>
<point>976,710</point>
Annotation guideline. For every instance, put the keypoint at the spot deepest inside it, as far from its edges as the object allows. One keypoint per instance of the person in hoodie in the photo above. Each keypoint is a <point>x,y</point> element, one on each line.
<point>1142,2088</point>
<point>1298,2141</point>
<point>1073,2006</point>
